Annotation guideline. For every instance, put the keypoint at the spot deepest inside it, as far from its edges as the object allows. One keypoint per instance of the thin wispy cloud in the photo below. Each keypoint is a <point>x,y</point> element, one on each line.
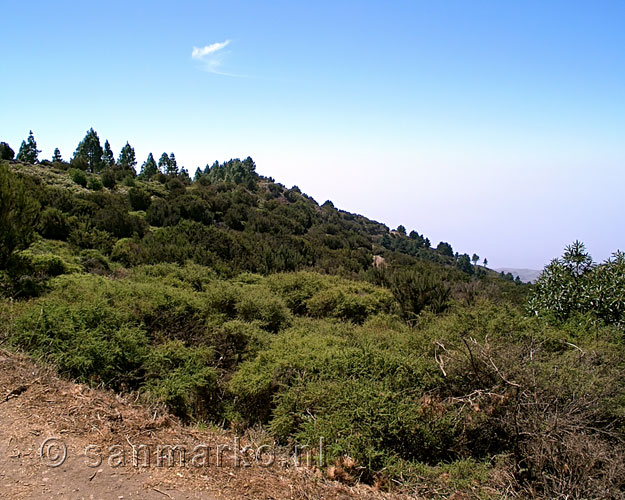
<point>201,52</point>
<point>212,56</point>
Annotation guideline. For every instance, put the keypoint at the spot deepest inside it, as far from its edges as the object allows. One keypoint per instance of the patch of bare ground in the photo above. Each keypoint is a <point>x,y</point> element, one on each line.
<point>97,431</point>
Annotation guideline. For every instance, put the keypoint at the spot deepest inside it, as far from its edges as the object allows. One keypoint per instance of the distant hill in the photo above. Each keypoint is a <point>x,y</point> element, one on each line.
<point>526,275</point>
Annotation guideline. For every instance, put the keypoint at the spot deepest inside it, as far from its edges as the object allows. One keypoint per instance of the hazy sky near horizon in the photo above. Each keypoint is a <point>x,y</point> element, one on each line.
<point>496,126</point>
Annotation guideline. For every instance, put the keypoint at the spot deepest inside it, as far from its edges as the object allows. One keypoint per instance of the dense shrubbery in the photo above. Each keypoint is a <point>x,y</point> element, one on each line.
<point>235,300</point>
<point>315,356</point>
<point>473,384</point>
<point>120,322</point>
<point>18,214</point>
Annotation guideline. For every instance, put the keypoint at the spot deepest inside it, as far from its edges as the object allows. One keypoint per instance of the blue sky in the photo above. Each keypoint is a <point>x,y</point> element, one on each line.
<point>496,126</point>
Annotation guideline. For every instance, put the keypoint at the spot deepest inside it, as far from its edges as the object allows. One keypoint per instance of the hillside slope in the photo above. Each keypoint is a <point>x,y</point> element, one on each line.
<point>255,224</point>
<point>236,303</point>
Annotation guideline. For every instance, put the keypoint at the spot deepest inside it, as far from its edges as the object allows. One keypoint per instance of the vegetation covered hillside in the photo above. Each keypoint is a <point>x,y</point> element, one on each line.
<point>238,302</point>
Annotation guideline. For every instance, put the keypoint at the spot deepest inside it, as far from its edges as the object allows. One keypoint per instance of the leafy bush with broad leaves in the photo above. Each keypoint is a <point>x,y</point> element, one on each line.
<point>574,284</point>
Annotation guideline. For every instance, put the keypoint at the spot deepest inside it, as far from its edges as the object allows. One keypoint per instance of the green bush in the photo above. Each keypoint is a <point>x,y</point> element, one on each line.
<point>93,261</point>
<point>103,331</point>
<point>222,298</point>
<point>54,224</point>
<point>574,285</point>
<point>30,272</point>
<point>94,184</point>
<point>190,275</point>
<point>256,303</point>
<point>126,251</point>
<point>139,199</point>
<point>162,213</point>
<point>296,288</point>
<point>48,264</point>
<point>360,388</point>
<point>89,342</point>
<point>119,223</point>
<point>235,341</point>
<point>18,214</point>
<point>84,235</point>
<point>416,292</point>
<point>457,388</point>
<point>182,378</point>
<point>78,176</point>
<point>350,303</point>
<point>108,178</point>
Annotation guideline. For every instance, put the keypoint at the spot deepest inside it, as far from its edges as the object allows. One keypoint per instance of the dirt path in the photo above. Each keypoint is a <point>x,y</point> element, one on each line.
<point>44,419</point>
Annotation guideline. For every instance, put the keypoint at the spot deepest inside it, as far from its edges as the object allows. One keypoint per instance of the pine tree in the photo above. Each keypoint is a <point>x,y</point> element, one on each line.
<point>28,152</point>
<point>172,166</point>
<point>149,168</point>
<point>90,150</point>
<point>464,264</point>
<point>249,165</point>
<point>127,159</point>
<point>32,144</point>
<point>23,153</point>
<point>184,175</point>
<point>445,248</point>
<point>163,163</point>
<point>56,157</point>
<point>475,259</point>
<point>107,157</point>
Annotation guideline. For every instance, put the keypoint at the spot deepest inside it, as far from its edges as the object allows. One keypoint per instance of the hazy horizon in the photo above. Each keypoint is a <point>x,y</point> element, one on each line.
<point>499,128</point>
